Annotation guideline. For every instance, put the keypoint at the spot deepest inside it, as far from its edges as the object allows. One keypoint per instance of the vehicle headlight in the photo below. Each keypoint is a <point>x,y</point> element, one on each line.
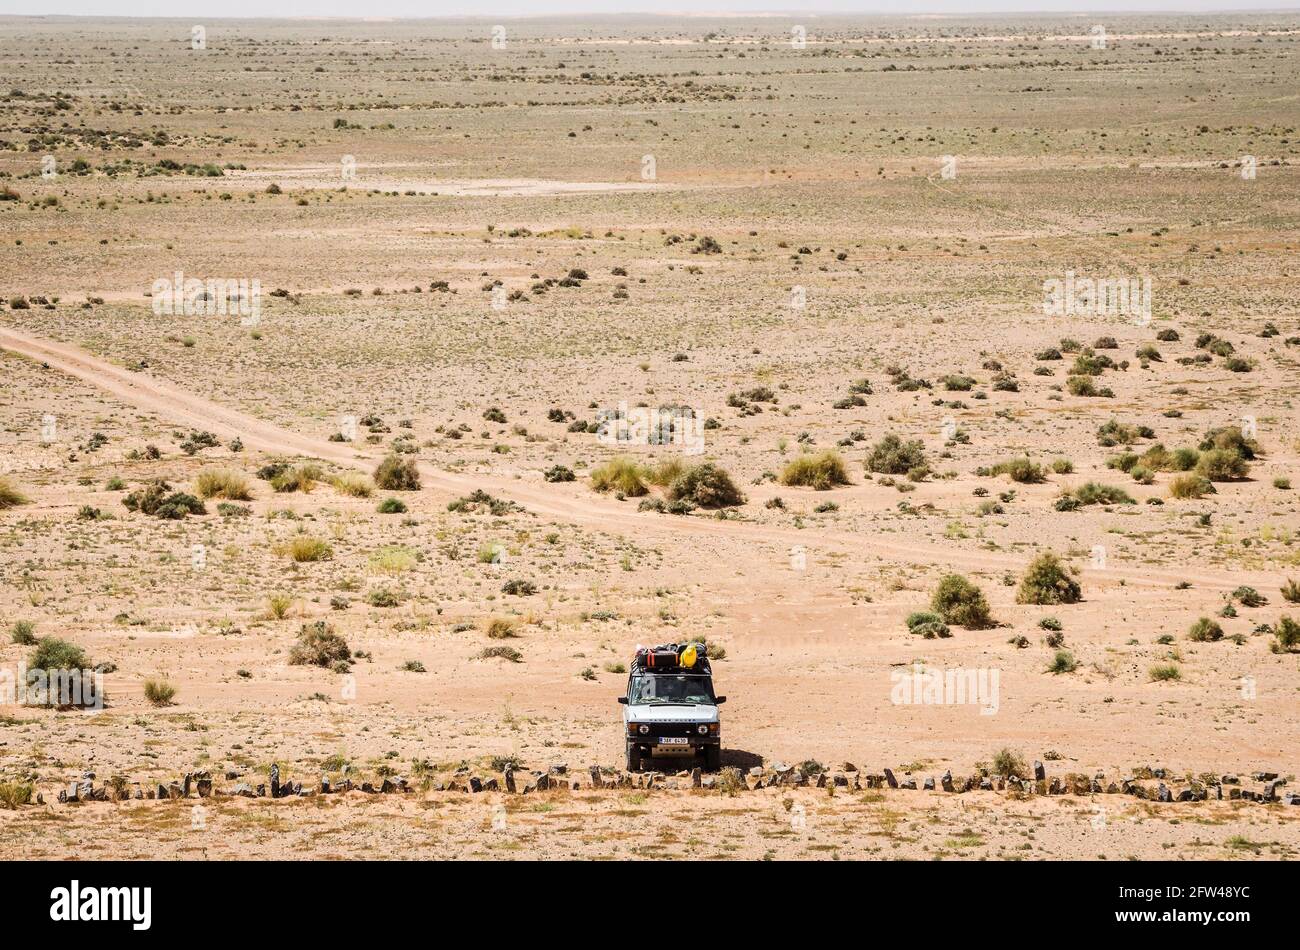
<point>643,729</point>
<point>703,729</point>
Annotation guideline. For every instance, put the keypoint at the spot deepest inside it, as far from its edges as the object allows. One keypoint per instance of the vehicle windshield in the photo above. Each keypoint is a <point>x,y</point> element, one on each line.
<point>661,688</point>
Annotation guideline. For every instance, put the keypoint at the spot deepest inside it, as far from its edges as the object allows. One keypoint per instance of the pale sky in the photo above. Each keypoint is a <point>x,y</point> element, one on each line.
<point>219,9</point>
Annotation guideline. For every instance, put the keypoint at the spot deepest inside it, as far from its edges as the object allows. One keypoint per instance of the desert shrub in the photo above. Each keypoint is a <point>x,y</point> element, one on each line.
<point>395,473</point>
<point>892,456</point>
<point>383,597</point>
<point>1095,493</point>
<point>958,383</point>
<point>1084,386</point>
<point>499,628</point>
<point>57,656</point>
<point>1148,351</point>
<point>1249,597</point>
<point>230,510</point>
<point>1291,591</point>
<point>23,633</point>
<point>1168,335</point>
<point>558,473</point>
<point>664,472</point>
<point>1050,623</point>
<point>1190,486</point>
<point>1063,662</point>
<point>1232,439</point>
<point>278,605</point>
<point>1048,581</point>
<point>1286,635</point>
<point>10,496</point>
<point>54,654</point>
<point>1114,432</point>
<point>159,692</point>
<point>621,475</point>
<point>1205,630</point>
<point>706,485</point>
<point>391,506</point>
<point>222,483</point>
<point>1166,671</point>
<point>412,666</point>
<point>1062,466</point>
<point>822,471</point>
<point>158,500</point>
<point>519,588</point>
<point>1007,764</point>
<point>961,603</point>
<point>919,617</point>
<point>353,484</point>
<point>305,548</point>
<point>494,414</point>
<point>14,794</point>
<point>1020,470</point>
<point>932,629</point>
<point>1184,459</point>
<point>1221,465</point>
<point>301,478</point>
<point>501,652</point>
<point>319,645</point>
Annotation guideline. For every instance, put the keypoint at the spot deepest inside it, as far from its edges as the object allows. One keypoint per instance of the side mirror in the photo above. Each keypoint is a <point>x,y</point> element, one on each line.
<point>718,701</point>
<point>623,700</point>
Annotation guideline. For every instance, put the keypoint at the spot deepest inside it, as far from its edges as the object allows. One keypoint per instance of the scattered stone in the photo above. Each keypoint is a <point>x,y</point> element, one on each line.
<point>1040,773</point>
<point>889,778</point>
<point>510,780</point>
<point>946,780</point>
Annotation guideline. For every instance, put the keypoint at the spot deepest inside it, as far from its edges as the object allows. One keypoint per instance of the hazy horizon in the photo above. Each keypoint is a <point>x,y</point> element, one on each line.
<point>439,9</point>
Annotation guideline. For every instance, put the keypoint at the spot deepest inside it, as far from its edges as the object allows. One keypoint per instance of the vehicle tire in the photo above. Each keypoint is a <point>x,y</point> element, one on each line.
<point>713,757</point>
<point>633,757</point>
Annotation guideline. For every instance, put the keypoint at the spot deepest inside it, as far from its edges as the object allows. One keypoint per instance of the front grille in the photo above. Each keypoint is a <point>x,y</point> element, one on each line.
<point>671,729</point>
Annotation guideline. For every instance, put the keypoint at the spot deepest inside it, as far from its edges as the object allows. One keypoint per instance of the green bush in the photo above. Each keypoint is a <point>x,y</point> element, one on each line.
<point>1287,635</point>
<point>821,472</point>
<point>1020,470</point>
<point>319,645</point>
<point>1205,630</point>
<point>1063,662</point>
<point>707,486</point>
<point>10,496</point>
<point>23,633</point>
<point>621,475</point>
<point>1095,493</point>
<point>391,506</point>
<point>1190,486</point>
<point>1007,764</point>
<point>1048,581</point>
<point>961,603</point>
<point>1167,671</point>
<point>157,499</point>
<point>395,473</point>
<point>1221,465</point>
<point>892,456</point>
<point>159,692</point>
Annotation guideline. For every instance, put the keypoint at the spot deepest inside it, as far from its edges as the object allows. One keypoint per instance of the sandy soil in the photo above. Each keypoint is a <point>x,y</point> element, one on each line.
<point>839,253</point>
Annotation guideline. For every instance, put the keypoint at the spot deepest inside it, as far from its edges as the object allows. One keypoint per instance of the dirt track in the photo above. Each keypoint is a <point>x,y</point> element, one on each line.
<point>169,400</point>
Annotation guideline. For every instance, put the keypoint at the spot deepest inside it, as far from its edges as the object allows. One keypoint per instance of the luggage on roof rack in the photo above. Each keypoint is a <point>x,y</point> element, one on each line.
<point>690,656</point>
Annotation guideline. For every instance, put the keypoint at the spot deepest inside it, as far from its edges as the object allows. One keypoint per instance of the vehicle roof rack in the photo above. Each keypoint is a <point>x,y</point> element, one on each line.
<point>667,658</point>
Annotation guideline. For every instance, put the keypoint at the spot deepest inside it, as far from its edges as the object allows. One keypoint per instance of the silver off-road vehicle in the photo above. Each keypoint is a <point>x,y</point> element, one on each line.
<point>670,707</point>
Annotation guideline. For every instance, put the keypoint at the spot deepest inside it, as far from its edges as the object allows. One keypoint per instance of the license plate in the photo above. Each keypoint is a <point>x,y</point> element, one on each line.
<point>674,741</point>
